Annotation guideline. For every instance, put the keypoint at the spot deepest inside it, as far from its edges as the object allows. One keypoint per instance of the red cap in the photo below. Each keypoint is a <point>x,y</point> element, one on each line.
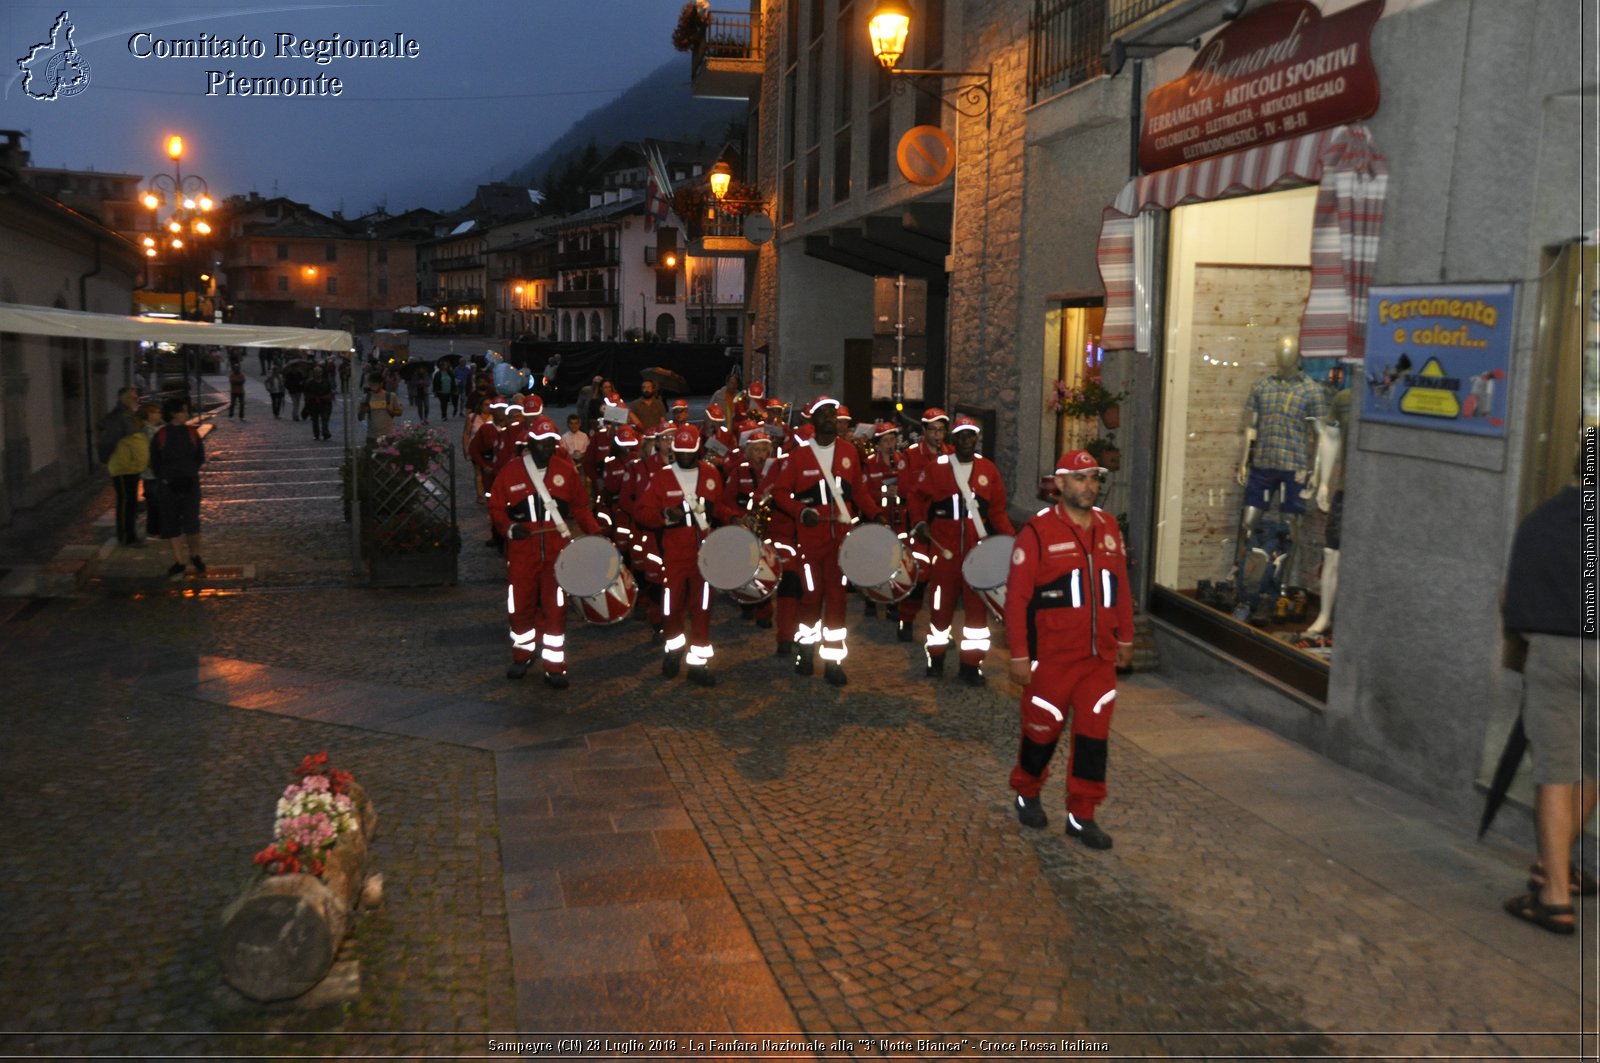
<point>625,436</point>
<point>680,404</point>
<point>819,403</point>
<point>804,433</point>
<point>662,428</point>
<point>685,439</point>
<point>883,428</point>
<point>543,428</point>
<point>1078,461</point>
<point>965,424</point>
<point>756,390</point>
<point>843,413</point>
<point>774,404</point>
<point>533,404</point>
<point>715,412</point>
<point>933,413</point>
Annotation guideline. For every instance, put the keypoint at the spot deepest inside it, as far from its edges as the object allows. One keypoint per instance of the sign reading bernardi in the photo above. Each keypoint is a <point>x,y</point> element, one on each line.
<point>1280,71</point>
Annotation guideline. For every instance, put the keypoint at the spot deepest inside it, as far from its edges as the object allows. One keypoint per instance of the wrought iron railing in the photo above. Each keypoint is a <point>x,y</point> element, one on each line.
<point>1065,42</point>
<point>583,297</point>
<point>409,534</point>
<point>1125,13</point>
<point>729,35</point>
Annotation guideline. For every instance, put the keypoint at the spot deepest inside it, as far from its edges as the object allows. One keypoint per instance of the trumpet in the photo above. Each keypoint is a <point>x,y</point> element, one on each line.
<point>759,516</point>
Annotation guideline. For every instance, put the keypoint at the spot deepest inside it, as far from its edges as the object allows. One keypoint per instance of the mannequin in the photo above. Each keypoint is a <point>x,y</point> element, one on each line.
<point>1275,466</point>
<point>1327,481</point>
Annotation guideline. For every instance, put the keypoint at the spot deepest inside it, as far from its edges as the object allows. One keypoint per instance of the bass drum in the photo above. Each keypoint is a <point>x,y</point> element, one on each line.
<point>985,570</point>
<point>732,559</point>
<point>591,572</point>
<point>874,559</point>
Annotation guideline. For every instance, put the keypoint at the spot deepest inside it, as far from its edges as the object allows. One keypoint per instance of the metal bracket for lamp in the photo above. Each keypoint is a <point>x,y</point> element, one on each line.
<point>1115,57</point>
<point>973,95</point>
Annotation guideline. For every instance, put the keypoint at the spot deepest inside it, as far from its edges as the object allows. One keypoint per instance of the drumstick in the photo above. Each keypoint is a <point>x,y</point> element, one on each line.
<point>922,530</point>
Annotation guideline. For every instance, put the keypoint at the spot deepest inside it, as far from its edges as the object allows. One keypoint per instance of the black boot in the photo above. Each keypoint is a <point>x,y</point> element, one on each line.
<point>903,631</point>
<point>972,675</point>
<point>785,649</point>
<point>700,675</point>
<point>834,673</point>
<point>670,663</point>
<point>805,660</point>
<point>935,668</point>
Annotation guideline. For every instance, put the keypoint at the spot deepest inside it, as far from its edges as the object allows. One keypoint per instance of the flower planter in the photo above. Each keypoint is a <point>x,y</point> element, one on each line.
<point>280,936</point>
<point>1111,416</point>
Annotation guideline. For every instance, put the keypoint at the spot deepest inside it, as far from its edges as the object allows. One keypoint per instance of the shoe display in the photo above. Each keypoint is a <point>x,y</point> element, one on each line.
<point>700,675</point>
<point>558,680</point>
<point>972,675</point>
<point>519,669</point>
<point>834,673</point>
<point>1088,832</point>
<point>1030,813</point>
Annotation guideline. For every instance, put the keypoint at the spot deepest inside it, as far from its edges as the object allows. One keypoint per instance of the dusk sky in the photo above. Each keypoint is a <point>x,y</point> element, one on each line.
<point>492,84</point>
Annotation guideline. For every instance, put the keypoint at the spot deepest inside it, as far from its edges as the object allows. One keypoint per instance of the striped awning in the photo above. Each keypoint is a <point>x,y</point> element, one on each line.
<point>1353,182</point>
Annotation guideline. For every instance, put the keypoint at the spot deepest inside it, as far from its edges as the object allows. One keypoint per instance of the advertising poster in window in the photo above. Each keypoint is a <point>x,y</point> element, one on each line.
<point>1438,356</point>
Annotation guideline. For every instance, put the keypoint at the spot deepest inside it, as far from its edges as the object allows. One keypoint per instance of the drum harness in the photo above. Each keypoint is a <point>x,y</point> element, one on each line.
<point>535,475</point>
<point>1064,592</point>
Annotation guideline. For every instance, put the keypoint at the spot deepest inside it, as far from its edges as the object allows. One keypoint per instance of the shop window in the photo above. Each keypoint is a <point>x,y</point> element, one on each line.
<point>1239,404</point>
<point>1568,349</point>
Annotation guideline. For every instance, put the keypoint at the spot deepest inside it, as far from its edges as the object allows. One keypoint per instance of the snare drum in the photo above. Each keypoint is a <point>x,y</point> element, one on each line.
<point>732,559</point>
<point>874,559</point>
<point>985,570</point>
<point>592,573</point>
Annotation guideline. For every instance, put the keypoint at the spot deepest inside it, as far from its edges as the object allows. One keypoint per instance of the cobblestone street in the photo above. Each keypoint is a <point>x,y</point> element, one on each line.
<point>636,855</point>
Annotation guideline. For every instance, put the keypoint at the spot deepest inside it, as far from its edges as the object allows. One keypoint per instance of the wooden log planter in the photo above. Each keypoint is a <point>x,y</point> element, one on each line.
<point>280,936</point>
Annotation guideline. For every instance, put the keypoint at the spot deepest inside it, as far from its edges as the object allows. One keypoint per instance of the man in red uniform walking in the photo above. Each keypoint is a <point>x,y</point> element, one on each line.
<point>535,501</point>
<point>677,500</point>
<point>820,486</point>
<point>957,501</point>
<point>910,462</point>
<point>1069,616</point>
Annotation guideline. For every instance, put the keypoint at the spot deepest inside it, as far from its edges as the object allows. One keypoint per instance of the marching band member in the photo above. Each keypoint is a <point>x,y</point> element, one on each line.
<point>775,411</point>
<point>614,475</point>
<point>677,501</point>
<point>753,403</point>
<point>882,474</point>
<point>934,423</point>
<point>1069,622</point>
<point>720,440</point>
<point>820,487</point>
<point>481,453</point>
<point>740,502</point>
<point>784,534</point>
<point>955,502</point>
<point>680,411</point>
<point>534,502</point>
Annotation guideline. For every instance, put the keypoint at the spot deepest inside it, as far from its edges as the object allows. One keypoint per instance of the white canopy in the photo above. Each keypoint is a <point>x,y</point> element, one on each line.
<point>79,324</point>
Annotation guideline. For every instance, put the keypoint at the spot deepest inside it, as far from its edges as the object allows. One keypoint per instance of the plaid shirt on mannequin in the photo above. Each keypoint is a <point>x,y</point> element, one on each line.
<point>1283,438</point>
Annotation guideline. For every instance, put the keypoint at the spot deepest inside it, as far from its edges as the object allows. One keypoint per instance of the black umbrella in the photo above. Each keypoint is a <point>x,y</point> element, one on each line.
<point>1504,772</point>
<point>666,379</point>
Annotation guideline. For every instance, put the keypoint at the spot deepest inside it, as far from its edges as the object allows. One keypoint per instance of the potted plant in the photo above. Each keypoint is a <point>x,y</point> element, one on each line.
<point>691,28</point>
<point>1089,400</point>
<point>1104,450</point>
<point>408,529</point>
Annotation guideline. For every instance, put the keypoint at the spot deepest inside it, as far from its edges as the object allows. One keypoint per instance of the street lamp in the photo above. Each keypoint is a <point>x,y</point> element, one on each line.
<point>191,200</point>
<point>888,26</point>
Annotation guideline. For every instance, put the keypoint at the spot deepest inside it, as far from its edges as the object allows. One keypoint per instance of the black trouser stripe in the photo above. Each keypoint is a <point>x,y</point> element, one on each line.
<point>1089,758</point>
<point>1035,756</point>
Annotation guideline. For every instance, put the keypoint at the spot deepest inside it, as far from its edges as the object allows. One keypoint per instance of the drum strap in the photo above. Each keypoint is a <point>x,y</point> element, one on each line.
<point>833,487</point>
<point>965,487</point>
<point>536,476</point>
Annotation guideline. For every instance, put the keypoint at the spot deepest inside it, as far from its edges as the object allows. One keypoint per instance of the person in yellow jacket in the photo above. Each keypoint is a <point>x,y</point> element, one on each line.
<point>128,460</point>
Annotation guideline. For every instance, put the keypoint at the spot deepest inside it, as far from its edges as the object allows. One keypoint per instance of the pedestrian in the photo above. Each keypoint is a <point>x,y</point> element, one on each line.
<point>587,401</point>
<point>274,383</point>
<point>1544,604</point>
<point>264,354</point>
<point>344,374</point>
<point>820,488</point>
<point>148,484</point>
<point>319,402</point>
<point>444,386</point>
<point>417,383</point>
<point>463,380</point>
<point>576,441</point>
<point>236,389</point>
<point>294,382</point>
<point>127,465</point>
<point>176,455</point>
<point>116,422</point>
<point>647,411</point>
<point>379,408</point>
<point>534,503</point>
<point>547,379</point>
<point>1069,622</point>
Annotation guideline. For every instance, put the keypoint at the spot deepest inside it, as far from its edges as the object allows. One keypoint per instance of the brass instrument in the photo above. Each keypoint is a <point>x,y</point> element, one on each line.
<point>759,515</point>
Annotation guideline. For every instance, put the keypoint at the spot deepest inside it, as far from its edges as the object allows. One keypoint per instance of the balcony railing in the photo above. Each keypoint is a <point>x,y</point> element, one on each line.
<point>584,297</point>
<point>1065,39</point>
<point>1125,13</point>
<point>727,62</point>
<point>458,262</point>
<point>586,259</point>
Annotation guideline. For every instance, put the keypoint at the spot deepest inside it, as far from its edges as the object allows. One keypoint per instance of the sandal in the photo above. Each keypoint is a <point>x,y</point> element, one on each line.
<point>1529,908</point>
<point>1581,882</point>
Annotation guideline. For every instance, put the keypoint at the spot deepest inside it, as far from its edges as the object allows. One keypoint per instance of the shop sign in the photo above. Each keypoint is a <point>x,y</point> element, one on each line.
<point>1438,357</point>
<point>1280,71</point>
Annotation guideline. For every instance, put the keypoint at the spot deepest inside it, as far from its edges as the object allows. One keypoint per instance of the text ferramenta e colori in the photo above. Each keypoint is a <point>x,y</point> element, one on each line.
<point>319,50</point>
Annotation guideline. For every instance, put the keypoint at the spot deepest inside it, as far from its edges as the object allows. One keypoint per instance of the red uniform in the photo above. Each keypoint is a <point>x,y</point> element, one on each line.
<point>936,497</point>
<point>481,451</point>
<point>1067,608</point>
<point>535,604</point>
<point>798,483</point>
<point>909,462</point>
<point>685,596</point>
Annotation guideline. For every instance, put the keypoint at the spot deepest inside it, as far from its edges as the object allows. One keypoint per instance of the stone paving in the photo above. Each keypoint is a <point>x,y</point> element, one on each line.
<point>773,856</point>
